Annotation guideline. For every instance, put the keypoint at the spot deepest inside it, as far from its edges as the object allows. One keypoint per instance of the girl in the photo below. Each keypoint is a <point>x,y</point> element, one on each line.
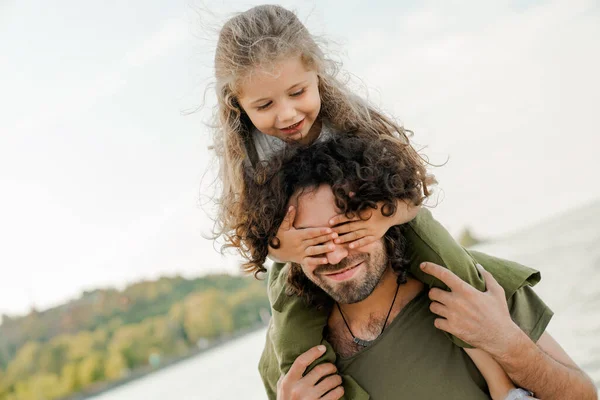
<point>275,86</point>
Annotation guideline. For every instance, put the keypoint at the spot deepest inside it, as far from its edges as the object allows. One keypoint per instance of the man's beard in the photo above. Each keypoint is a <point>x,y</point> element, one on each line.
<point>353,291</point>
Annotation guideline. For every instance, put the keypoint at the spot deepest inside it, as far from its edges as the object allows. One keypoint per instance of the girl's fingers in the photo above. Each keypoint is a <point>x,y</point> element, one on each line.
<point>319,249</point>
<point>320,239</point>
<point>349,227</point>
<point>362,242</point>
<point>314,261</point>
<point>341,219</point>
<point>351,236</point>
<point>311,233</point>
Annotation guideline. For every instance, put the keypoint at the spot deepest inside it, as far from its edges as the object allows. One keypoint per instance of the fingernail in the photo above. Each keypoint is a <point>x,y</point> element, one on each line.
<point>331,247</point>
<point>337,240</point>
<point>328,230</point>
<point>321,348</point>
<point>423,265</point>
<point>333,235</point>
<point>330,222</point>
<point>352,246</point>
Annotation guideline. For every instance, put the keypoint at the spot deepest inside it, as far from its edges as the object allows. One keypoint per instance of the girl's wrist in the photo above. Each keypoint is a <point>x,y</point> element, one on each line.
<point>273,256</point>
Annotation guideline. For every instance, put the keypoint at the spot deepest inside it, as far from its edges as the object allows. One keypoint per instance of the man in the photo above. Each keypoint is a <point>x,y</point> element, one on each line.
<point>383,325</point>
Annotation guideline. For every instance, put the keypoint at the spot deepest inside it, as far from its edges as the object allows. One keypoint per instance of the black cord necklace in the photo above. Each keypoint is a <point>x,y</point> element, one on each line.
<point>362,342</point>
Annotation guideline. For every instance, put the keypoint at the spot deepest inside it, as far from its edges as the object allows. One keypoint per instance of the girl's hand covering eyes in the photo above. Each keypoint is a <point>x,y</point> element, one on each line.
<point>370,225</point>
<point>301,246</point>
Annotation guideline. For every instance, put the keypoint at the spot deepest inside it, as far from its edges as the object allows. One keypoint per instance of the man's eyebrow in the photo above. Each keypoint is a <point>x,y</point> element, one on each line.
<point>290,88</point>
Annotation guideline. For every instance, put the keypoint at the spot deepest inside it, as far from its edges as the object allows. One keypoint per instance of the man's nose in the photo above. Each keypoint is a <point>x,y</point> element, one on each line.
<point>337,255</point>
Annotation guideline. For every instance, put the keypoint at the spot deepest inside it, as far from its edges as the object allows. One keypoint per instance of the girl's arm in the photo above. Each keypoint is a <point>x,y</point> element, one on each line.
<point>310,246</point>
<point>497,380</point>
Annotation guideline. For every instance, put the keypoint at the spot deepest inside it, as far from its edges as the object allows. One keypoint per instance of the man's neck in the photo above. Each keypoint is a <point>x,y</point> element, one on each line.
<point>366,318</point>
<point>377,303</point>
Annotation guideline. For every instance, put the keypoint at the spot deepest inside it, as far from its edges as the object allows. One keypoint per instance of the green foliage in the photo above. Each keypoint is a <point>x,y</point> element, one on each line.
<point>91,369</point>
<point>206,315</point>
<point>115,365</point>
<point>245,306</point>
<point>106,333</point>
<point>69,378</point>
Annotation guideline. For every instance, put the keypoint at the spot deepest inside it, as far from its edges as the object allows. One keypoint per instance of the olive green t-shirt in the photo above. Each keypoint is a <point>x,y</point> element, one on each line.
<point>414,360</point>
<point>295,327</point>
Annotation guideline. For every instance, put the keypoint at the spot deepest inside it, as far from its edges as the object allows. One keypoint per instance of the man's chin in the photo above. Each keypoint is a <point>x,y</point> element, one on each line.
<point>347,292</point>
<point>351,286</point>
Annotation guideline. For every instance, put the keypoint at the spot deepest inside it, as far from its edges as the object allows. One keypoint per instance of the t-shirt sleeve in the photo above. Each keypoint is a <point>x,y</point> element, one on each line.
<point>428,240</point>
<point>530,312</point>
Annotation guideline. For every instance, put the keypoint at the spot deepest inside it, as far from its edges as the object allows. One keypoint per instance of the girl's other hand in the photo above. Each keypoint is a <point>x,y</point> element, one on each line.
<point>301,246</point>
<point>371,225</point>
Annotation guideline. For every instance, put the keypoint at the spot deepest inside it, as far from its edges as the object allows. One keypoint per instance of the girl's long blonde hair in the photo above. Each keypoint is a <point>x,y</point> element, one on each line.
<point>263,36</point>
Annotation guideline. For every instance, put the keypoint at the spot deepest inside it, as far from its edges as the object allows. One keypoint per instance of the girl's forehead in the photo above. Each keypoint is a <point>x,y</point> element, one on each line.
<point>273,75</point>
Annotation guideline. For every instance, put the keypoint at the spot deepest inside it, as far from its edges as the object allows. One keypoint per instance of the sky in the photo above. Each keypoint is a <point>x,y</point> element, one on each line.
<point>105,109</point>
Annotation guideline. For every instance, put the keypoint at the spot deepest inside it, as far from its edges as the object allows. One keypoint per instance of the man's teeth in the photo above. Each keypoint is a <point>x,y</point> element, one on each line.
<point>344,270</point>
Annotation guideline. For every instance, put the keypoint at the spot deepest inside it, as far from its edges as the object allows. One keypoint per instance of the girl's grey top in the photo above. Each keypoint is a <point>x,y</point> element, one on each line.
<point>267,146</point>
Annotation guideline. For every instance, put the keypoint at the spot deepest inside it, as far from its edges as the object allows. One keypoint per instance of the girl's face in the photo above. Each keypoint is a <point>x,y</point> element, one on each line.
<point>283,102</point>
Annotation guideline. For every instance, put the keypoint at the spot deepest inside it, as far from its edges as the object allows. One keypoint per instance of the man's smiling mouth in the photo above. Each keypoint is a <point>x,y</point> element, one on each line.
<point>344,270</point>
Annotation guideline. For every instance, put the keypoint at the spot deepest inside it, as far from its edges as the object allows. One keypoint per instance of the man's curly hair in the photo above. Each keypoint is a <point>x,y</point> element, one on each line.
<point>361,171</point>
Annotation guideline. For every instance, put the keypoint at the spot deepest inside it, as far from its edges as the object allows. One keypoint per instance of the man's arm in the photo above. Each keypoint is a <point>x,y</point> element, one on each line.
<point>483,320</point>
<point>545,368</point>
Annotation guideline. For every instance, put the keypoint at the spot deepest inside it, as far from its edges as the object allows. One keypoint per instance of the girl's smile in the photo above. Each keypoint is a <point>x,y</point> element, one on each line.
<point>283,101</point>
<point>293,129</point>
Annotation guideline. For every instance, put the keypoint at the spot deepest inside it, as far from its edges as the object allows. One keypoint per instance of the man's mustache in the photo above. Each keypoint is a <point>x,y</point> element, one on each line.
<point>345,263</point>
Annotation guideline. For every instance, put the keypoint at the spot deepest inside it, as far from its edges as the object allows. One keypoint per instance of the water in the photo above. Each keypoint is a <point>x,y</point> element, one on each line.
<point>566,249</point>
<point>226,372</point>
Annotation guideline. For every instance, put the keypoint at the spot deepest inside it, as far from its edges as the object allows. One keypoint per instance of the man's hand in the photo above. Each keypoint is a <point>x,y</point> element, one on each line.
<point>482,320</point>
<point>320,383</point>
<point>479,318</point>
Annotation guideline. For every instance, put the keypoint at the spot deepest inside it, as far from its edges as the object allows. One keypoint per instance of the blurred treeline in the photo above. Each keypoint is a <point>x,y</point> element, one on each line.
<point>107,333</point>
